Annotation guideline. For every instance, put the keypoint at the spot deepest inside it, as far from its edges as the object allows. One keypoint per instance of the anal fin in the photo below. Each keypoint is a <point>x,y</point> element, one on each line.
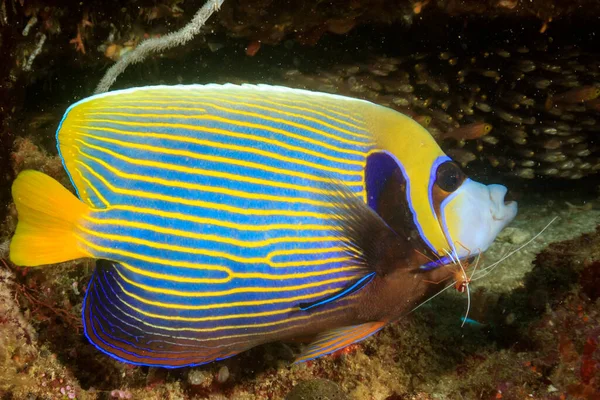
<point>336,339</point>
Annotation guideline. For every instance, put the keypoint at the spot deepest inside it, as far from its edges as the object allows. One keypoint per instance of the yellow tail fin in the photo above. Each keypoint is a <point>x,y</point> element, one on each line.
<point>48,216</point>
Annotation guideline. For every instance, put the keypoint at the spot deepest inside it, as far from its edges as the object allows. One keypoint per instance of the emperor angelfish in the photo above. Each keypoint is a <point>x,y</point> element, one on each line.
<point>224,217</point>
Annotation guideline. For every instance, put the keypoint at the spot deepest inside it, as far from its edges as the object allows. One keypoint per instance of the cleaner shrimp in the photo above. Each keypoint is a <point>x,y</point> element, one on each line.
<point>462,280</point>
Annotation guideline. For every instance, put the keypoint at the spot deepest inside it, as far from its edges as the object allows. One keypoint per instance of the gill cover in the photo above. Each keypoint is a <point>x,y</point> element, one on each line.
<point>417,155</point>
<point>451,212</point>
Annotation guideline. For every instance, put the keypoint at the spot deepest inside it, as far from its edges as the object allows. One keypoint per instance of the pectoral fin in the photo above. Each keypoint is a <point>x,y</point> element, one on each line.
<point>354,287</point>
<point>336,339</point>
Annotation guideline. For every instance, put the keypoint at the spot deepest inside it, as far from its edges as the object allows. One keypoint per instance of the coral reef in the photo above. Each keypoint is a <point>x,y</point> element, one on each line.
<point>29,368</point>
<point>316,389</point>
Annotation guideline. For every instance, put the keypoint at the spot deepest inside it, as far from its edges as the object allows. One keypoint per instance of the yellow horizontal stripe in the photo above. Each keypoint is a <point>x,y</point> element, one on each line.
<point>323,101</point>
<point>222,96</point>
<point>322,317</point>
<point>236,122</point>
<point>205,267</point>
<point>212,238</point>
<point>231,161</point>
<point>211,173</point>
<point>218,222</point>
<point>103,251</point>
<point>286,99</point>
<point>199,203</point>
<point>220,254</point>
<point>232,304</point>
<point>238,290</point>
<point>290,324</point>
<point>170,278</point>
<point>206,319</point>
<point>246,125</point>
<point>231,327</point>
<point>168,105</point>
<point>312,107</point>
<point>203,188</point>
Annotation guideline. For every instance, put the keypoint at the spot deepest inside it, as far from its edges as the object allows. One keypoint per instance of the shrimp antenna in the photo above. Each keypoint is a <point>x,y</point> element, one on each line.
<point>465,279</point>
<point>432,297</point>
<point>476,265</point>
<point>449,254</point>
<point>468,294</point>
<point>429,258</point>
<point>485,271</point>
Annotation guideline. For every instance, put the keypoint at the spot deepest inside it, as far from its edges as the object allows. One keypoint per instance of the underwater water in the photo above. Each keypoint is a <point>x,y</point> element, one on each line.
<point>509,91</point>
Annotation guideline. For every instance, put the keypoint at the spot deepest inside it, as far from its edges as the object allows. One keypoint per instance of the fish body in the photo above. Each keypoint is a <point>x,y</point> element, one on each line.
<point>223,217</point>
<point>469,131</point>
<point>462,156</point>
<point>578,95</point>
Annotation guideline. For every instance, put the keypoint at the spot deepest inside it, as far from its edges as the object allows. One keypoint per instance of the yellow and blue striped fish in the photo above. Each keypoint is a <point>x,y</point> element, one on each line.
<point>226,216</point>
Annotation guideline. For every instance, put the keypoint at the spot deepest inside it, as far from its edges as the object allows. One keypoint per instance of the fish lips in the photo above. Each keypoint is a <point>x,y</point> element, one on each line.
<point>474,215</point>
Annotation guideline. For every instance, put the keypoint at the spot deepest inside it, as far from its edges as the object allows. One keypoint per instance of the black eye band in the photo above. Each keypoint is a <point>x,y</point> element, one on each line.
<point>449,176</point>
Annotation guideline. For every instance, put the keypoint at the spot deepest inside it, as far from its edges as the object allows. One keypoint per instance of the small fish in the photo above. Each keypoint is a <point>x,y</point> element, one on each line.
<point>525,173</point>
<point>494,161</point>
<point>471,322</point>
<point>253,48</point>
<point>423,120</point>
<point>506,116</point>
<point>577,95</point>
<point>569,164</point>
<point>552,156</point>
<point>441,116</point>
<point>489,73</point>
<point>462,156</point>
<point>469,132</point>
<point>401,101</point>
<point>540,83</point>
<point>526,153</point>
<point>527,163</point>
<point>519,140</point>
<point>503,53</point>
<point>593,105</point>
<point>550,171</point>
<point>406,88</point>
<point>490,139</point>
<point>552,144</point>
<point>445,56</point>
<point>526,66</point>
<point>583,153</point>
<point>483,106</point>
<point>223,217</point>
<point>551,67</point>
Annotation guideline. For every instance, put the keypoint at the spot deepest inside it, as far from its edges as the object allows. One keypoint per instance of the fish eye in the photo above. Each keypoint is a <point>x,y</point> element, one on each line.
<point>449,176</point>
